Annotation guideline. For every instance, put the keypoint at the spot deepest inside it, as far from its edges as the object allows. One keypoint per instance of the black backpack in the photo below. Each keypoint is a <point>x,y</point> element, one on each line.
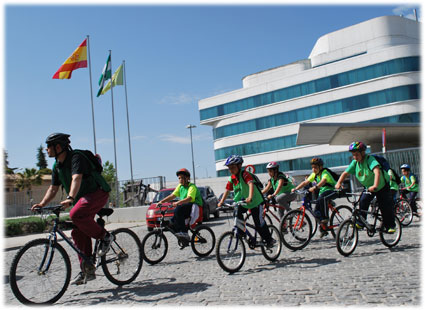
<point>94,159</point>
<point>256,181</point>
<point>396,176</point>
<point>383,162</point>
<point>333,174</point>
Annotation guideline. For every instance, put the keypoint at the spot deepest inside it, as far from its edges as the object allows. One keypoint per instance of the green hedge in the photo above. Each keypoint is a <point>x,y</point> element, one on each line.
<point>28,225</point>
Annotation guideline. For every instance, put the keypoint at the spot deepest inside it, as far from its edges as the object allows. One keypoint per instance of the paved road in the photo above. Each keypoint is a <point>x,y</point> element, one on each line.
<point>317,275</point>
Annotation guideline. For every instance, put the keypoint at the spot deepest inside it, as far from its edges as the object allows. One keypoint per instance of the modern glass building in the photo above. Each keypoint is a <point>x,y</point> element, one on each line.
<point>366,73</point>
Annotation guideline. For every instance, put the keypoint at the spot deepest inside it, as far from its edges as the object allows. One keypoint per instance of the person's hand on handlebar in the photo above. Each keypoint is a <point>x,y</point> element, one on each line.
<point>37,207</point>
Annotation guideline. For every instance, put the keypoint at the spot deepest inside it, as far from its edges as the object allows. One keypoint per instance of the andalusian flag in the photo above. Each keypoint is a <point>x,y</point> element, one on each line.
<point>117,79</point>
<point>106,75</point>
<point>77,60</point>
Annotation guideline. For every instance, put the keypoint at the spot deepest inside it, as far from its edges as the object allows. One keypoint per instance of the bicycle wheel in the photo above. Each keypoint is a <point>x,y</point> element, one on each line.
<point>314,221</point>
<point>273,253</point>
<point>203,241</point>
<point>339,215</point>
<point>230,252</point>
<point>391,240</point>
<point>404,212</point>
<point>154,247</point>
<point>295,230</point>
<point>123,262</point>
<point>347,237</point>
<point>39,273</point>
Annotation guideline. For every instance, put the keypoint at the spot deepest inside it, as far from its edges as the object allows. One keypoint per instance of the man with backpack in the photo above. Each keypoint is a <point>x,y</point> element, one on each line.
<point>79,174</point>
<point>281,185</point>
<point>245,187</point>
<point>372,175</point>
<point>411,187</point>
<point>325,182</point>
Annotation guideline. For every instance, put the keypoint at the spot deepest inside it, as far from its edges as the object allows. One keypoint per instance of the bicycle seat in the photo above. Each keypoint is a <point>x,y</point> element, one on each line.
<point>105,212</point>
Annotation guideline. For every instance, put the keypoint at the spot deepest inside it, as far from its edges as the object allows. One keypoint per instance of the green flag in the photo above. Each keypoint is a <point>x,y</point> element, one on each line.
<point>117,79</point>
<point>106,75</point>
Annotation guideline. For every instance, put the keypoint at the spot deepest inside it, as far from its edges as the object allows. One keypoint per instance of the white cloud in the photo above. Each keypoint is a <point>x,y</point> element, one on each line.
<point>183,140</point>
<point>179,99</point>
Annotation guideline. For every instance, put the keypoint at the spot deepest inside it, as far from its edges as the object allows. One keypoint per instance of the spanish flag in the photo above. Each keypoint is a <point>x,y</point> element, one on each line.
<point>77,60</point>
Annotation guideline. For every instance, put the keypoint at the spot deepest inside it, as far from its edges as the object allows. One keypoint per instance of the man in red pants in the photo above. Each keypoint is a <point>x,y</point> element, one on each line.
<point>86,189</point>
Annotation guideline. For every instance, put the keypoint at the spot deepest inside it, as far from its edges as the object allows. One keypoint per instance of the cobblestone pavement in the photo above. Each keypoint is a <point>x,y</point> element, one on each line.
<point>317,275</point>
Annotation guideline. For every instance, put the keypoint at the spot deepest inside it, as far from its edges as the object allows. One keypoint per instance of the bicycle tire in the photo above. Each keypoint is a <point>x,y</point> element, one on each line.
<point>29,287</point>
<point>404,212</point>
<point>123,262</point>
<point>154,242</point>
<point>314,222</point>
<point>226,247</point>
<point>295,230</point>
<point>395,237</point>
<point>339,215</point>
<point>273,253</point>
<point>202,241</point>
<point>347,237</point>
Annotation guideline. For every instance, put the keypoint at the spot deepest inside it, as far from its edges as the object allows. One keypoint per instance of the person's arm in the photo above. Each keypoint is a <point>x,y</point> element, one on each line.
<point>251,192</point>
<point>302,184</point>
<point>75,187</point>
<point>279,186</point>
<point>341,179</point>
<point>377,172</point>
<point>50,194</point>
<point>225,194</point>
<point>317,186</point>
<point>267,188</point>
<point>412,181</point>
<point>167,199</point>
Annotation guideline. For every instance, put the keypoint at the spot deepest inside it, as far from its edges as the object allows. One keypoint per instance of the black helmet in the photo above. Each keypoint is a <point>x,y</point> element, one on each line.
<point>58,138</point>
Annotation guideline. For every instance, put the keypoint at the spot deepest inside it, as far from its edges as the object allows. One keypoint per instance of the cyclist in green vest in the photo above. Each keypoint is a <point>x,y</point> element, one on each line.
<point>87,192</point>
<point>376,180</point>
<point>411,187</point>
<point>243,185</point>
<point>190,197</point>
<point>282,187</point>
<point>324,184</point>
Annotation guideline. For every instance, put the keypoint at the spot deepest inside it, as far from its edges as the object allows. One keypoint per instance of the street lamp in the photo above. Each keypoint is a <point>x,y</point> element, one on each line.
<point>191,146</point>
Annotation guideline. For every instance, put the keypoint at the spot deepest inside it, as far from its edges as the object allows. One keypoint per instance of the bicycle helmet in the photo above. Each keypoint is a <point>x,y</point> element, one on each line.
<point>405,166</point>
<point>234,160</point>
<point>183,171</point>
<point>316,161</point>
<point>272,165</point>
<point>357,146</point>
<point>58,138</point>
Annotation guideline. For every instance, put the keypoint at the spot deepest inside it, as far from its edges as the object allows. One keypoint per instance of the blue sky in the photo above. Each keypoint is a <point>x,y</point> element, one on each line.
<point>175,55</point>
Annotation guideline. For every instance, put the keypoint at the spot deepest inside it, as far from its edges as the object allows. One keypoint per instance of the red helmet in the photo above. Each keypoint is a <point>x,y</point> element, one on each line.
<point>272,165</point>
<point>183,171</point>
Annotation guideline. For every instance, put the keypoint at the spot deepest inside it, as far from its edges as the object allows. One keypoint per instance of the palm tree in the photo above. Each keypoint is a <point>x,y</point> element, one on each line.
<point>27,179</point>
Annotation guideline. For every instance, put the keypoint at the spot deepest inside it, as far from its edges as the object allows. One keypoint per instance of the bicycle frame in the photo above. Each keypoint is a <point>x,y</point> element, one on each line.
<point>357,213</point>
<point>250,239</point>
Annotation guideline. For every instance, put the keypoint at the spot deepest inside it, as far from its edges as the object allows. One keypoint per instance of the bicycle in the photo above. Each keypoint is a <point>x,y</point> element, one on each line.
<point>231,250</point>
<point>296,227</point>
<point>41,270</point>
<point>347,236</point>
<point>155,244</point>
<point>403,210</point>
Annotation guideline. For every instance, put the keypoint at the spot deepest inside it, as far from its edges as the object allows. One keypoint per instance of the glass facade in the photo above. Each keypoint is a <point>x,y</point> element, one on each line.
<point>288,142</point>
<point>396,94</point>
<point>393,66</point>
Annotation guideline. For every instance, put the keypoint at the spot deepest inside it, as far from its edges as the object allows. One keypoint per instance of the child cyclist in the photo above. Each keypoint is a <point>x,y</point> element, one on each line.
<point>411,187</point>
<point>325,183</point>
<point>369,173</point>
<point>242,183</point>
<point>282,187</point>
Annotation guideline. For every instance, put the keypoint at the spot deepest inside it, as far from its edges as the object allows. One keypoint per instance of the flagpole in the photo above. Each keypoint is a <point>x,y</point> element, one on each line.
<point>128,125</point>
<point>113,126</point>
<point>91,95</point>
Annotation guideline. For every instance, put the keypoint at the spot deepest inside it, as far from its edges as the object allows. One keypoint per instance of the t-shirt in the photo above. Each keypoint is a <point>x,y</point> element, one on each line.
<point>239,184</point>
<point>189,191</point>
<point>324,174</point>
<point>409,180</point>
<point>393,184</point>
<point>286,188</point>
<point>364,172</point>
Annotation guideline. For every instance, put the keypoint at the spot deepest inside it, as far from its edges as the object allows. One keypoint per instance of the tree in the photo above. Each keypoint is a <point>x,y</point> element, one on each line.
<point>109,172</point>
<point>27,179</point>
<point>41,158</point>
<point>7,170</point>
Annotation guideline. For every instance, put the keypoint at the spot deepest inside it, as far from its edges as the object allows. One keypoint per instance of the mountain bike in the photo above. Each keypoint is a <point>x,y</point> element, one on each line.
<point>231,250</point>
<point>347,236</point>
<point>296,227</point>
<point>41,270</point>
<point>155,244</point>
<point>403,210</point>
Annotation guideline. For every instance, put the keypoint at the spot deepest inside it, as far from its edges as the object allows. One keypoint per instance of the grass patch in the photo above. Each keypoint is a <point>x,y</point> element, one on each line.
<point>29,225</point>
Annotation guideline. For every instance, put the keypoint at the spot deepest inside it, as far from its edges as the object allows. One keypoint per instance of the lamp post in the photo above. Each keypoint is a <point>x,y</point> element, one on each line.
<point>191,146</point>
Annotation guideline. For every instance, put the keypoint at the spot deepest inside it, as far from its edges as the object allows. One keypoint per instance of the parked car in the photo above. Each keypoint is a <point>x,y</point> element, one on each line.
<point>228,201</point>
<point>153,213</point>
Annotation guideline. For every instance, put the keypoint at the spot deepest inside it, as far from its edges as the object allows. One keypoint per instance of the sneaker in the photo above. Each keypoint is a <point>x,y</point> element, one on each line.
<point>323,233</point>
<point>359,225</point>
<point>271,243</point>
<point>388,230</point>
<point>105,244</point>
<point>83,278</point>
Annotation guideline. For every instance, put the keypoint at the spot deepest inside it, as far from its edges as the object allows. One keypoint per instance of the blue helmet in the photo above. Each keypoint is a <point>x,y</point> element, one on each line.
<point>405,166</point>
<point>234,160</point>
